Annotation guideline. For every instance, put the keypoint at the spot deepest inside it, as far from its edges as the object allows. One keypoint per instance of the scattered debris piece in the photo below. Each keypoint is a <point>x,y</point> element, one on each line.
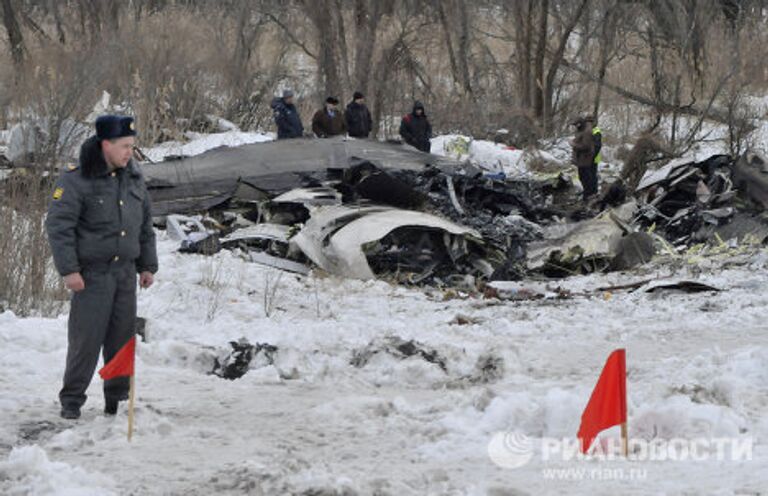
<point>507,290</point>
<point>462,319</point>
<point>235,363</point>
<point>193,236</point>
<point>680,286</point>
<point>140,328</point>
<point>398,348</point>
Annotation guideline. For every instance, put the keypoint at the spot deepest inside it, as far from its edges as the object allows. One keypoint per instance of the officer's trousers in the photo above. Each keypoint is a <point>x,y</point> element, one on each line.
<point>103,315</point>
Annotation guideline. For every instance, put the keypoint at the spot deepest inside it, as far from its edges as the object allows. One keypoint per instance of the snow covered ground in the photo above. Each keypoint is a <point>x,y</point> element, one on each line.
<point>313,423</point>
<point>199,142</point>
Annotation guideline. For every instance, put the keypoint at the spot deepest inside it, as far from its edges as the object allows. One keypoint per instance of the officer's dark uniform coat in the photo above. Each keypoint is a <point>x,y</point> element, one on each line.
<point>100,225</point>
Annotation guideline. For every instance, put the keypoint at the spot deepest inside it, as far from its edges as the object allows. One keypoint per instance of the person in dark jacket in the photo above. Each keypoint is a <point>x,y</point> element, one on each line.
<point>416,129</point>
<point>329,121</point>
<point>358,117</point>
<point>583,156</point>
<point>287,117</point>
<point>99,227</point>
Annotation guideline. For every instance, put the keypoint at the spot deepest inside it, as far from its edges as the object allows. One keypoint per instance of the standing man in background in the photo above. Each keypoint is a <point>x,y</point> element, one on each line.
<point>329,121</point>
<point>583,156</point>
<point>100,230</point>
<point>287,117</point>
<point>358,117</point>
<point>416,129</point>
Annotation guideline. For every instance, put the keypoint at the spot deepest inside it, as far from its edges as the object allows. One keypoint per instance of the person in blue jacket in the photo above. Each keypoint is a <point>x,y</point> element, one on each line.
<point>287,117</point>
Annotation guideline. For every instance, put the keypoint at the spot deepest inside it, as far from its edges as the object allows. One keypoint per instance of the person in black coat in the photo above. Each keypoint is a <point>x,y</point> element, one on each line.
<point>287,117</point>
<point>358,117</point>
<point>416,129</point>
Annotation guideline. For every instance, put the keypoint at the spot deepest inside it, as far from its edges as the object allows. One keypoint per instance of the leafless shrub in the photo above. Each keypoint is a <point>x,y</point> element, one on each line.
<point>271,286</point>
<point>29,284</point>
<point>214,279</point>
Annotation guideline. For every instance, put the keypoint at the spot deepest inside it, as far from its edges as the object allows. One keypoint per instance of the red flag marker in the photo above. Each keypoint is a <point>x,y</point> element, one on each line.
<point>608,404</point>
<point>122,365</point>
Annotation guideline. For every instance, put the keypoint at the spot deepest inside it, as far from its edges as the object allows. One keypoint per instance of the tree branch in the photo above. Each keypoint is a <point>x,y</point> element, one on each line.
<point>290,35</point>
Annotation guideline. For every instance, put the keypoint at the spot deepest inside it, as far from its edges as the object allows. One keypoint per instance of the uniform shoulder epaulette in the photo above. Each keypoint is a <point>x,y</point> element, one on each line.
<point>72,167</point>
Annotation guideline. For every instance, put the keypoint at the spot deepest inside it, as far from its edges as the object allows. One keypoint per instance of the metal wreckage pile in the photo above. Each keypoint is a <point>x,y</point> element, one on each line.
<point>364,209</point>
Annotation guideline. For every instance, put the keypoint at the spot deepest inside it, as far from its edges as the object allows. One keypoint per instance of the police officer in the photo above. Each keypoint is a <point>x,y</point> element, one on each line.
<point>100,230</point>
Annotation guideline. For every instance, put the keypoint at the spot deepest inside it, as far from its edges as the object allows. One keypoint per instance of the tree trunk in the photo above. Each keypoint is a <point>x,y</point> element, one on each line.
<point>57,19</point>
<point>524,43</point>
<point>607,40</point>
<point>541,50</point>
<point>464,41</point>
<point>368,15</point>
<point>320,12</point>
<point>15,38</point>
<point>341,44</point>
<point>447,30</point>
<point>554,66</point>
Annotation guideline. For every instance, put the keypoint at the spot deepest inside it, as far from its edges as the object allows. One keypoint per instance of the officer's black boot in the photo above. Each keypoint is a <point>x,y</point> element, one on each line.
<point>70,412</point>
<point>110,407</point>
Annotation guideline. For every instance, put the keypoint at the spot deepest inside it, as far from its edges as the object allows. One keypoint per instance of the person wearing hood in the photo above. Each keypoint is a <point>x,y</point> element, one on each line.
<point>287,117</point>
<point>329,121</point>
<point>358,117</point>
<point>416,129</point>
<point>583,156</point>
<point>99,227</point>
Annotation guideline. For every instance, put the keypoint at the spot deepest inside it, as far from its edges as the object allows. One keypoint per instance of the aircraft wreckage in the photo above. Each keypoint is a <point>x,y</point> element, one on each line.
<point>366,209</point>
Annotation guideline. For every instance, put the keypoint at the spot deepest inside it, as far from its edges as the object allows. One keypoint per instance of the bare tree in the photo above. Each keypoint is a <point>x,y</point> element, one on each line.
<point>15,36</point>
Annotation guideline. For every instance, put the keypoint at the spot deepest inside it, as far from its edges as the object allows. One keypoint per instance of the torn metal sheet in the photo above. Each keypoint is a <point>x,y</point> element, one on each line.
<point>310,196</point>
<point>452,195</point>
<point>588,245</point>
<point>272,232</point>
<point>268,260</point>
<point>268,244</point>
<point>663,174</point>
<point>334,237</point>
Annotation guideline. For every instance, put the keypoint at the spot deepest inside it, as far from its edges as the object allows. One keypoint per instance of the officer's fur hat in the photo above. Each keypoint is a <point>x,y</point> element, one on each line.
<point>114,126</point>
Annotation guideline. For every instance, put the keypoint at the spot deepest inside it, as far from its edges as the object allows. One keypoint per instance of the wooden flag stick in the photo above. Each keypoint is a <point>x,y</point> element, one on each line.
<point>624,440</point>
<point>131,395</point>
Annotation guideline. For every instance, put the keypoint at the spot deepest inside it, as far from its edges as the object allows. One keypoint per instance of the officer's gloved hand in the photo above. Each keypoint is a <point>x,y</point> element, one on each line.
<point>74,282</point>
